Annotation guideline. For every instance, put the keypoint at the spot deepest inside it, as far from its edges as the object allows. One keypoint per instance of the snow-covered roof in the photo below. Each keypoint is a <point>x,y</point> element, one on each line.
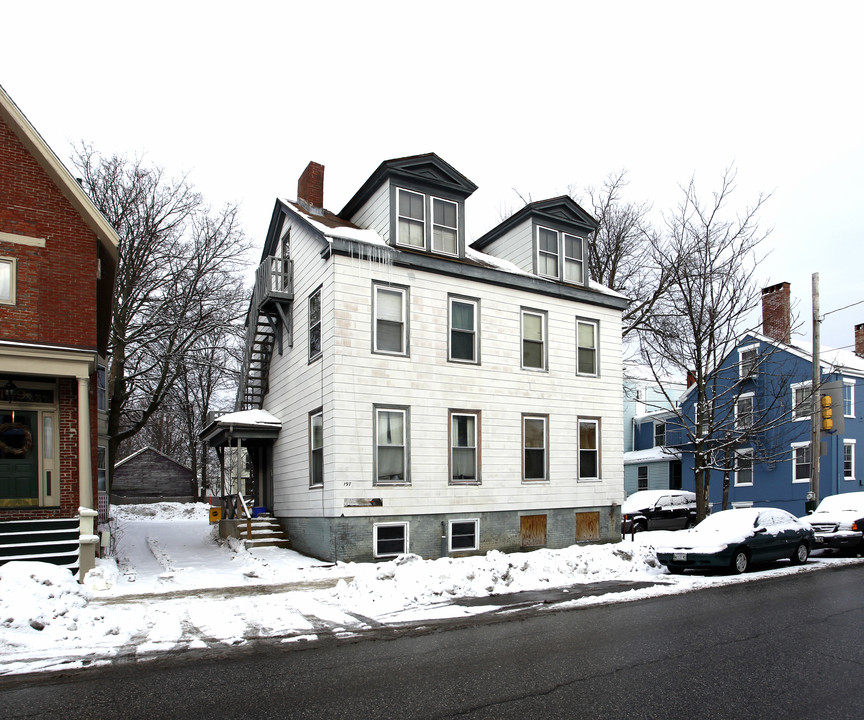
<point>249,417</point>
<point>151,449</point>
<point>655,454</point>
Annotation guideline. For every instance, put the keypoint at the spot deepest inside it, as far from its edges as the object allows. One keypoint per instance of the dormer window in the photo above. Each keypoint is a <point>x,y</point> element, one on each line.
<point>557,250</point>
<point>413,209</point>
<point>445,228</point>
<point>412,219</point>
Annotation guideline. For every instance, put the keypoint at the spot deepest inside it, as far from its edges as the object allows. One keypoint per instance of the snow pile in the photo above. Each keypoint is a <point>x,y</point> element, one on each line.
<point>411,581</point>
<point>38,599</point>
<point>161,511</point>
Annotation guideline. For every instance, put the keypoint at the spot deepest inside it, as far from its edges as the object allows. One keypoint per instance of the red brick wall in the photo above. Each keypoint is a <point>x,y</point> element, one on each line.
<point>56,285</point>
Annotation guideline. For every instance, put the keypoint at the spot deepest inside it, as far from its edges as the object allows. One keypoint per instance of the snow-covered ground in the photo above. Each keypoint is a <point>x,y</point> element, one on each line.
<point>173,586</point>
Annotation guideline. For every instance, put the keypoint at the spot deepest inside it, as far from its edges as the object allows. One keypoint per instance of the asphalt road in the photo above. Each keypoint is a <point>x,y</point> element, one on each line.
<point>786,647</point>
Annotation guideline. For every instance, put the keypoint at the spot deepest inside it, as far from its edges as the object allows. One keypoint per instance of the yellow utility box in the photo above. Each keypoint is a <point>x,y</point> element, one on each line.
<point>215,514</point>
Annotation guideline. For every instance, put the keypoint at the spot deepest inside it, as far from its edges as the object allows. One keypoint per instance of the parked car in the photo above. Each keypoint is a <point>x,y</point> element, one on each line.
<point>839,522</point>
<point>733,539</point>
<point>658,510</point>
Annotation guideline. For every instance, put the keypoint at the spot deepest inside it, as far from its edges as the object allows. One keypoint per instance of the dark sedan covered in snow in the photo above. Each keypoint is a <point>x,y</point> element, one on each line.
<point>735,539</point>
<point>658,510</point>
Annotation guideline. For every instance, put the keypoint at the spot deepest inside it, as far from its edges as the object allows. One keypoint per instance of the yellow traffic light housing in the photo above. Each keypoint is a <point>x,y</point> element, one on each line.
<point>827,412</point>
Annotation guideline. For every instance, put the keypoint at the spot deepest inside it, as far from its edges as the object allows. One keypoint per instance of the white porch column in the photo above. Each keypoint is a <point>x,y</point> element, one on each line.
<point>85,468</point>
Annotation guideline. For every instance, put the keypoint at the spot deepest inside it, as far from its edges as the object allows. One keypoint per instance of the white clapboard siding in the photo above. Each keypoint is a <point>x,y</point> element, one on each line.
<point>349,380</point>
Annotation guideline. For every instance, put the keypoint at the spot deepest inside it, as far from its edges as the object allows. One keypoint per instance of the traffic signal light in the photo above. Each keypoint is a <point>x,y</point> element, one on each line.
<point>827,421</point>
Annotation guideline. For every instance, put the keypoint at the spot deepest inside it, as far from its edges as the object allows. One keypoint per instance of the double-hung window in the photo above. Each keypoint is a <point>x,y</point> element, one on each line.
<point>533,339</point>
<point>445,227</point>
<point>390,331</point>
<point>464,447</point>
<point>586,347</point>
<point>801,462</point>
<point>747,361</point>
<point>849,459</point>
<point>391,445</point>
<point>589,449</point>
<point>535,447</point>
<point>315,325</point>
<point>7,281</point>
<point>411,219</point>
<point>744,467</point>
<point>642,477</point>
<point>573,264</point>
<point>547,252</point>
<point>464,340</point>
<point>702,417</point>
<point>659,434</point>
<point>849,398</point>
<point>557,250</point>
<point>101,388</point>
<point>316,448</point>
<point>802,400</point>
<point>744,412</point>
<point>390,539</point>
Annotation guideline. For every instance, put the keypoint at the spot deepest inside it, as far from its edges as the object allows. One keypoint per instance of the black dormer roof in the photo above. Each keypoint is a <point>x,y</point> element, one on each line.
<point>426,170</point>
<point>561,212</point>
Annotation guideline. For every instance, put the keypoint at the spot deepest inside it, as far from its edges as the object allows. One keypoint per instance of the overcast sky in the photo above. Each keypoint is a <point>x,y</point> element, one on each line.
<point>533,97</point>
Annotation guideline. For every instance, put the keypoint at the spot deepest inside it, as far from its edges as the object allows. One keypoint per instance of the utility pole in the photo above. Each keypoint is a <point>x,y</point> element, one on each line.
<point>815,398</point>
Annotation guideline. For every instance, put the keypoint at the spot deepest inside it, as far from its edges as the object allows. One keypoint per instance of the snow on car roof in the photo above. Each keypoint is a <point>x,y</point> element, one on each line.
<point>647,498</point>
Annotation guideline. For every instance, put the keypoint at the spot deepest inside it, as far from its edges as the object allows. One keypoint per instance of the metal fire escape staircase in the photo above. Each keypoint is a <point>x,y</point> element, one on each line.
<point>268,327</point>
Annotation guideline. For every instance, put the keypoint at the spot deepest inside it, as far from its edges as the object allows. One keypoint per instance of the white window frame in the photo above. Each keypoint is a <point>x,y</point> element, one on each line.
<point>409,219</point>
<point>567,261</point>
<point>594,325</point>
<point>739,425</point>
<point>406,539</point>
<point>545,420</point>
<point>579,449</point>
<point>451,523</point>
<point>475,333</point>
<point>698,421</point>
<point>315,326</point>
<point>795,463</point>
<point>406,443</point>
<point>543,341</point>
<point>849,443</point>
<point>748,453</point>
<point>101,388</point>
<point>805,386</point>
<point>475,447</point>
<point>455,229</point>
<point>659,424</point>
<point>747,368</point>
<point>395,289</point>
<point>639,473</point>
<point>849,398</point>
<point>11,263</point>
<point>313,483</point>
<point>548,254</point>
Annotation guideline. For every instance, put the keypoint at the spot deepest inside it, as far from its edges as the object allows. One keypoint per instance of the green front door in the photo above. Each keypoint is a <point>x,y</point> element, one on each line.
<point>19,458</point>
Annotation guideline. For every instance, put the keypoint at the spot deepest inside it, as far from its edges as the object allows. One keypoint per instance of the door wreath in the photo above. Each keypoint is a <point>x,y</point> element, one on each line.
<point>28,439</point>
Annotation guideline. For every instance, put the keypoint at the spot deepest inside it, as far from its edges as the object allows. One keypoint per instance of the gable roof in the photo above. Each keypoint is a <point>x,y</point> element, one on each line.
<point>426,169</point>
<point>59,174</point>
<point>150,449</point>
<point>559,210</point>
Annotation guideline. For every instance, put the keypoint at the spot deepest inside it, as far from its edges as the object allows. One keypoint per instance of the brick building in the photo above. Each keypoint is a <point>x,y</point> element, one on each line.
<point>58,257</point>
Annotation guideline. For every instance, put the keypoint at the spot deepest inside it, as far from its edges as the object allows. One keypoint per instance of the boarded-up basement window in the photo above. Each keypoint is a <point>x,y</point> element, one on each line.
<point>533,530</point>
<point>587,526</point>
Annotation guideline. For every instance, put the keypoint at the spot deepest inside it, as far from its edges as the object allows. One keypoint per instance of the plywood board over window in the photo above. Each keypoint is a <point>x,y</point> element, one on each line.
<point>587,526</point>
<point>532,530</point>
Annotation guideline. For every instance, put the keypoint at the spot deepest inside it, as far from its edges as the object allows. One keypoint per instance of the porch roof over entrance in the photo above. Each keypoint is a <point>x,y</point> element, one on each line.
<point>245,425</point>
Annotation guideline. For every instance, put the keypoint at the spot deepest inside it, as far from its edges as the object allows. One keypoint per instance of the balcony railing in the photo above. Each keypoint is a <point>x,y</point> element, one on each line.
<point>274,280</point>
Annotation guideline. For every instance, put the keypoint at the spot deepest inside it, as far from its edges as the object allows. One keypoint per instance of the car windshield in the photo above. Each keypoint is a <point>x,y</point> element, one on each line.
<point>734,521</point>
<point>846,501</point>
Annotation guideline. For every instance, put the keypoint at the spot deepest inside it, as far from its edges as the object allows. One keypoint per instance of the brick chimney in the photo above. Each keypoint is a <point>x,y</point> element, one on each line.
<point>310,186</point>
<point>777,312</point>
<point>691,378</point>
<point>859,339</point>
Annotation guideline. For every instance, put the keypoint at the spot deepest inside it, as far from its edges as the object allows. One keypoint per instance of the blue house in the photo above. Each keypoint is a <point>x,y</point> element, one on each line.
<point>757,417</point>
<point>649,428</point>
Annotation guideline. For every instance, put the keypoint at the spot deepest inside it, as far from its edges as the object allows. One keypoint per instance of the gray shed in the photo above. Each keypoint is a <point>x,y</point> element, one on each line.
<point>150,476</point>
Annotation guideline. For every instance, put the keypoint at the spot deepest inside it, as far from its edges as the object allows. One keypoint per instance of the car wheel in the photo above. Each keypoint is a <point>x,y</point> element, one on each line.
<point>802,552</point>
<point>740,561</point>
<point>638,527</point>
<point>691,523</point>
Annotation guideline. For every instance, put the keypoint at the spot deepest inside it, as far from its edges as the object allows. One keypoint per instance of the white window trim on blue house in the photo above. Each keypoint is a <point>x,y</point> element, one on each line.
<point>849,398</point>
<point>795,448</point>
<point>743,453</point>
<point>806,401</point>
<point>849,443</point>
<point>747,367</point>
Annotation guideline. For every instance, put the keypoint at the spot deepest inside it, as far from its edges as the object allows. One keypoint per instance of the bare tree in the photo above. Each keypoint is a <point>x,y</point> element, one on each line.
<point>622,254</point>
<point>709,260</point>
<point>178,281</point>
